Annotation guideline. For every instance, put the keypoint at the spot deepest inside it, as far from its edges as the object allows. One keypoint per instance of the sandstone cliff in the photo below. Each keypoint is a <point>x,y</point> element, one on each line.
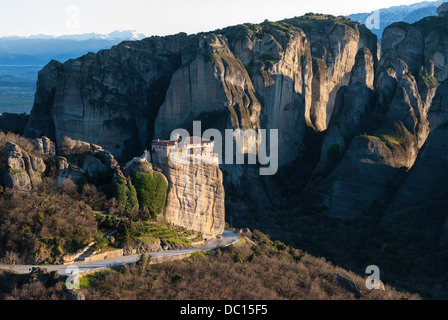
<point>110,98</point>
<point>427,182</point>
<point>195,197</point>
<point>391,130</point>
<point>281,76</point>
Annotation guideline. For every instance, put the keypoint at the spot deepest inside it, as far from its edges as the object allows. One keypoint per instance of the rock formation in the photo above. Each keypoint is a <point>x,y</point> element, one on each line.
<point>428,180</point>
<point>305,76</point>
<point>24,170</point>
<point>86,158</point>
<point>281,76</point>
<point>45,146</point>
<point>110,98</point>
<point>195,197</point>
<point>393,128</point>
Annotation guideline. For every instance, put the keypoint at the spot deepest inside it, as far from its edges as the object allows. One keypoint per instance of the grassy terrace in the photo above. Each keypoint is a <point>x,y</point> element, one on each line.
<point>144,232</point>
<point>150,232</point>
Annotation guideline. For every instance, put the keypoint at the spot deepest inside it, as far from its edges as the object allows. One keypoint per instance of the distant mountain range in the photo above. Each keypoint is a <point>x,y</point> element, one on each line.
<point>40,49</point>
<point>406,13</point>
<point>118,35</point>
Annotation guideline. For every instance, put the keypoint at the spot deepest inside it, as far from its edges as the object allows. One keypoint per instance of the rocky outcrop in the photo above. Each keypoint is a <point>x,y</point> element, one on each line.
<point>348,286</point>
<point>41,122</point>
<point>67,171</point>
<point>195,197</point>
<point>85,159</point>
<point>284,86</point>
<point>335,42</point>
<point>24,170</point>
<point>213,78</point>
<point>45,146</point>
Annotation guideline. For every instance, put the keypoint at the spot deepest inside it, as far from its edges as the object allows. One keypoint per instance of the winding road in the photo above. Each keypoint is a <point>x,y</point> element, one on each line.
<point>227,238</point>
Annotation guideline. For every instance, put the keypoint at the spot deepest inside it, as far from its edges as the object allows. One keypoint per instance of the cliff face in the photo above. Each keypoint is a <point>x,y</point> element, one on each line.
<point>427,182</point>
<point>334,43</point>
<point>110,98</point>
<point>195,197</point>
<point>392,128</point>
<point>281,76</point>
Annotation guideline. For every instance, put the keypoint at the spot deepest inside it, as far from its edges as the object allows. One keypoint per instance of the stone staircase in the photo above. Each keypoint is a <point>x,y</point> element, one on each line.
<point>81,253</point>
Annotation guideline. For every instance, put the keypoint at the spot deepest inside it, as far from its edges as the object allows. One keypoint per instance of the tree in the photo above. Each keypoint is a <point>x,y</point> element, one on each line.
<point>93,197</point>
<point>132,200</point>
<point>119,190</point>
<point>126,195</point>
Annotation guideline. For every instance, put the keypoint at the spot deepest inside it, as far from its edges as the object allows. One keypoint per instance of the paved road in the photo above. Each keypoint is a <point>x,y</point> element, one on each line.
<point>227,238</point>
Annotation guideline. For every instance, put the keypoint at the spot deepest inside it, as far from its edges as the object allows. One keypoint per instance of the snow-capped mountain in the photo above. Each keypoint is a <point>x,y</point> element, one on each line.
<point>40,49</point>
<point>379,20</point>
<point>118,35</point>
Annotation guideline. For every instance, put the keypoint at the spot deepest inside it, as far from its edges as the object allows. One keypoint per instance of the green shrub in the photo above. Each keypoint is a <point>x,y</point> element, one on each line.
<point>119,189</point>
<point>126,195</point>
<point>151,188</point>
<point>132,200</point>
<point>177,278</point>
<point>100,242</point>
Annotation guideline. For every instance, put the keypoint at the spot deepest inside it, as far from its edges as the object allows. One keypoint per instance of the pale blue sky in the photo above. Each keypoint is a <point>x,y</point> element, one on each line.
<point>57,17</point>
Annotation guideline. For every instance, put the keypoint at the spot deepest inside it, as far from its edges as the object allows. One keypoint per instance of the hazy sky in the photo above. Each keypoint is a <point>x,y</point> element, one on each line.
<point>57,17</point>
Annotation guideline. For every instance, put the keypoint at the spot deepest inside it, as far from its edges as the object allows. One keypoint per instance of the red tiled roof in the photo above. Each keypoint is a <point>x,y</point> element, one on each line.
<point>164,142</point>
<point>189,140</point>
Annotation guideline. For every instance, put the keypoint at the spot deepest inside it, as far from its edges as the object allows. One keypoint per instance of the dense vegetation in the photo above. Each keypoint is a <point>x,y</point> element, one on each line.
<point>144,190</point>
<point>37,286</point>
<point>126,195</point>
<point>151,190</point>
<point>44,224</point>
<point>143,234</point>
